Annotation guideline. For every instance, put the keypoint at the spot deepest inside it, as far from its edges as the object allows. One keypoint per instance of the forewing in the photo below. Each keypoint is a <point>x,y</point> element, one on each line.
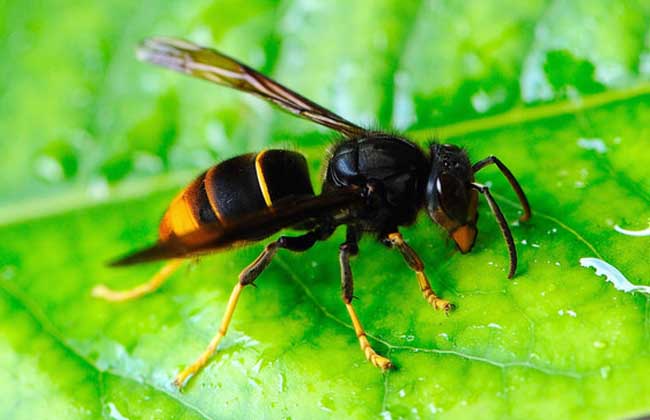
<point>253,227</point>
<point>208,64</point>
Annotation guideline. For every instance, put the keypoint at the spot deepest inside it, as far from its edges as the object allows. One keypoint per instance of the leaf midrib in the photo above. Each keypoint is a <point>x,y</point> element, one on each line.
<point>79,198</point>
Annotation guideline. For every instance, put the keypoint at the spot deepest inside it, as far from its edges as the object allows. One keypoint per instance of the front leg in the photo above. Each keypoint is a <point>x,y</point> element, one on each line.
<point>413,260</point>
<point>347,249</point>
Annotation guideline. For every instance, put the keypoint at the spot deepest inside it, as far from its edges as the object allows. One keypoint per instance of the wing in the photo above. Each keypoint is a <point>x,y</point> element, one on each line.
<point>208,64</point>
<point>254,227</point>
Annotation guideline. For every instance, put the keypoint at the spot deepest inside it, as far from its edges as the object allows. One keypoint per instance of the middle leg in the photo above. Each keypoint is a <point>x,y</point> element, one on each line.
<point>347,249</point>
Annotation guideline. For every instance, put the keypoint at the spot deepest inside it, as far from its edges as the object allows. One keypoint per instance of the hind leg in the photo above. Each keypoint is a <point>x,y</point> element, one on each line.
<point>246,277</point>
<point>104,292</point>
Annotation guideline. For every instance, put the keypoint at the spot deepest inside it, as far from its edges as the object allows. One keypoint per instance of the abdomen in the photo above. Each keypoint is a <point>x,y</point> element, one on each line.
<point>235,188</point>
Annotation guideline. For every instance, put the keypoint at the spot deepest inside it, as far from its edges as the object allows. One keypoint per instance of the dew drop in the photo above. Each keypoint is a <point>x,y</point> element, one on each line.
<point>98,189</point>
<point>49,168</point>
<point>595,144</point>
<point>604,371</point>
<point>613,275</point>
<point>644,232</point>
<point>599,344</point>
<point>114,413</point>
<point>433,408</point>
<point>327,403</point>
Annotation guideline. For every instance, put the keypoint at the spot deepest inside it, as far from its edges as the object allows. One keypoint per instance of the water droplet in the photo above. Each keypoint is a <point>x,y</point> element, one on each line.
<point>644,232</point>
<point>433,408</point>
<point>595,144</point>
<point>281,383</point>
<point>327,403</point>
<point>613,275</point>
<point>402,393</point>
<point>599,344</point>
<point>255,383</point>
<point>256,368</point>
<point>604,371</point>
<point>569,312</point>
<point>483,101</point>
<point>114,413</point>
<point>98,189</point>
<point>495,326</point>
<point>49,168</point>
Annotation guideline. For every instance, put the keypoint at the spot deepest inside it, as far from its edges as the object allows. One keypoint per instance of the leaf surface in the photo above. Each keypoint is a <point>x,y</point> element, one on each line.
<point>97,148</point>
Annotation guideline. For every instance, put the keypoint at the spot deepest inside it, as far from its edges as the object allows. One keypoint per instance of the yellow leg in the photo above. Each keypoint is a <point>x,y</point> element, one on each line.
<point>372,356</point>
<point>417,265</point>
<point>192,369</point>
<point>429,294</point>
<point>103,292</point>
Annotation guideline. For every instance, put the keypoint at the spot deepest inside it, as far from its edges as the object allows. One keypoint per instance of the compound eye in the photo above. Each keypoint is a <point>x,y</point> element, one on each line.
<point>453,196</point>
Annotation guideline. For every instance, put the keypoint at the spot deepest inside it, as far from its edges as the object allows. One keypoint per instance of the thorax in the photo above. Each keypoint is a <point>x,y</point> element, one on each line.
<point>395,169</point>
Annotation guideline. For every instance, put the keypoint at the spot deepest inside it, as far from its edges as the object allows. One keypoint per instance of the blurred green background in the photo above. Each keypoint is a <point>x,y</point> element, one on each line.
<point>94,144</point>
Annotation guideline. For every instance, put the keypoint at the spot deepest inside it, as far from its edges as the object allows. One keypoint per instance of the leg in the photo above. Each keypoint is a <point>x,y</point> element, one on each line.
<point>416,264</point>
<point>246,277</point>
<point>503,225</point>
<point>511,179</point>
<point>345,251</point>
<point>103,292</point>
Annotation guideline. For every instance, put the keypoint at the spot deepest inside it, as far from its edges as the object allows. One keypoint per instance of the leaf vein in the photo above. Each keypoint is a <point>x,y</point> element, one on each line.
<point>46,325</point>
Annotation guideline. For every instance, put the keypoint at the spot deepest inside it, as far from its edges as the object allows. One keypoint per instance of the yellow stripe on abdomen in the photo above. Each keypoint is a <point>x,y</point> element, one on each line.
<point>178,219</point>
<point>264,188</point>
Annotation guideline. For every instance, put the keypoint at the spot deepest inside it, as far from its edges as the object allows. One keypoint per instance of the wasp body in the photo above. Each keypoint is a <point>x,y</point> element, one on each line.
<point>374,183</point>
<point>236,188</point>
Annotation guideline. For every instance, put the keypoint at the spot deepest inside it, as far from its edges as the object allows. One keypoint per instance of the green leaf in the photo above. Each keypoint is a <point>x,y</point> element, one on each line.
<point>98,145</point>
